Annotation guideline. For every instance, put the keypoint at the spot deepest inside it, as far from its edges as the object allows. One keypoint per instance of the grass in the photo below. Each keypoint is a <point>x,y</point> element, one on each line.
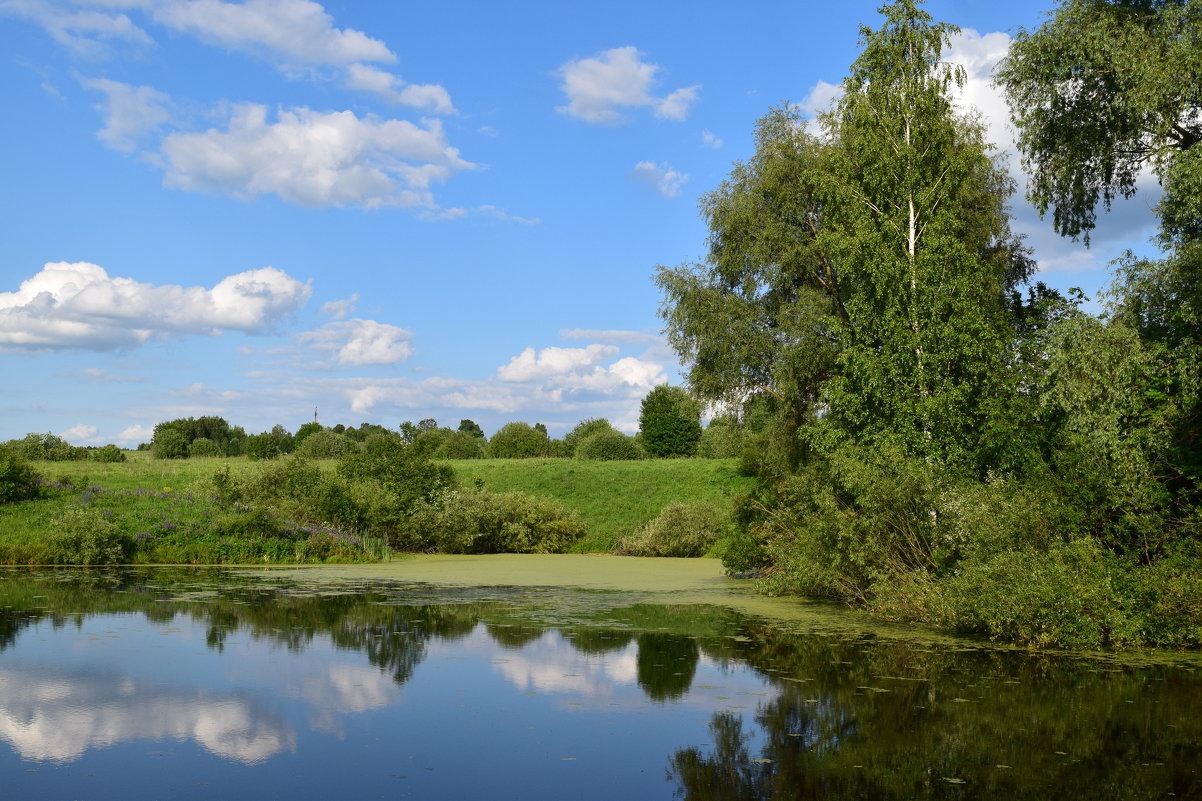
<point>613,498</point>
<point>170,498</point>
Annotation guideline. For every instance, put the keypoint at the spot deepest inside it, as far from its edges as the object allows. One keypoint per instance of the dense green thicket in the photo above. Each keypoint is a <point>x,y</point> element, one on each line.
<point>941,440</point>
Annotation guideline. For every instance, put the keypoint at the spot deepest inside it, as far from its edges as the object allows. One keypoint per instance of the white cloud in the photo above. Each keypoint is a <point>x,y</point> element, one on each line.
<point>597,88</point>
<point>130,112</point>
<point>82,433</point>
<point>366,78</point>
<point>85,32</point>
<point>134,435</point>
<point>296,32</point>
<point>78,305</point>
<point>709,140</point>
<point>361,342</point>
<point>822,95</point>
<point>314,159</point>
<point>676,105</point>
<point>661,177</point>
<point>529,365</point>
<point>340,308</point>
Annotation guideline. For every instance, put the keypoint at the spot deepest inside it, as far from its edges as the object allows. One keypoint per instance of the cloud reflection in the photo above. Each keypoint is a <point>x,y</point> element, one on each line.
<point>58,715</point>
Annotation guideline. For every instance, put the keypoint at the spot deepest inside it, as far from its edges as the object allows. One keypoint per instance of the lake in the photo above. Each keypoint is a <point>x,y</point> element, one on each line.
<point>550,677</point>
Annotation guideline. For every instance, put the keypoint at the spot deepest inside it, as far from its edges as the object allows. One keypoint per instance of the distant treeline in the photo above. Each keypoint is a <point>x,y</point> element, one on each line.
<point>669,427</point>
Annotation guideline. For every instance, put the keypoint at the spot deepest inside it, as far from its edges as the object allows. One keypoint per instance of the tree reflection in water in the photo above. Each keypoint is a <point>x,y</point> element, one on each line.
<point>845,718</point>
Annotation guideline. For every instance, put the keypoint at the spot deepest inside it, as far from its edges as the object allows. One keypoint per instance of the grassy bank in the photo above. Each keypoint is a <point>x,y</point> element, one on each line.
<point>613,498</point>
<point>167,506</point>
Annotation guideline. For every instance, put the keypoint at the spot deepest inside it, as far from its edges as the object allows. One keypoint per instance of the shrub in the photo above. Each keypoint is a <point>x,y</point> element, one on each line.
<point>519,441</point>
<point>108,453</point>
<point>403,471</point>
<point>584,429</point>
<point>1063,598</point>
<point>322,444</point>
<point>169,443</point>
<point>722,439</point>
<point>260,446</point>
<point>460,445</point>
<point>84,537</point>
<point>1166,597</point>
<point>608,445</point>
<point>476,521</point>
<point>680,529</point>
<point>18,480</point>
<point>203,448</point>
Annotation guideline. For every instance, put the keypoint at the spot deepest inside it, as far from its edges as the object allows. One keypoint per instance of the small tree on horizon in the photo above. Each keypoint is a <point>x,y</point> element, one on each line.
<point>670,422</point>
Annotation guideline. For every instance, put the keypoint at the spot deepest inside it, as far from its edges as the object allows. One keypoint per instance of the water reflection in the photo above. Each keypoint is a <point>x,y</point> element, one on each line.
<point>54,714</point>
<point>659,700</point>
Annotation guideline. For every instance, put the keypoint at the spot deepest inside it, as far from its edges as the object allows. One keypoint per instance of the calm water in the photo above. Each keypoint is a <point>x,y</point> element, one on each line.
<point>657,680</point>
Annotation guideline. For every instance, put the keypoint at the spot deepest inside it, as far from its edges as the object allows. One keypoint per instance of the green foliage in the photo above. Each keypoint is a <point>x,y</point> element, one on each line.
<point>83,536</point>
<point>203,447</point>
<point>852,521</point>
<point>723,438</point>
<point>169,443</point>
<point>583,429</point>
<point>304,431</point>
<point>670,422</point>
<point>19,481</point>
<point>602,445</point>
<point>403,471</point>
<point>460,445</point>
<point>519,441</point>
<point>477,521</point>
<point>1100,91</point>
<point>323,444</point>
<point>110,454</point>
<point>1065,597</point>
<point>681,529</point>
<point>173,438</point>
<point>471,427</point>
<point>261,446</point>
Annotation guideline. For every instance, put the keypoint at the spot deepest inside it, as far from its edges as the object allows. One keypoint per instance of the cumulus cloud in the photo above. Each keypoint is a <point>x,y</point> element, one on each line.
<point>661,177</point>
<point>134,435</point>
<point>597,88</point>
<point>290,31</point>
<point>78,305</point>
<point>820,98</point>
<point>531,364</point>
<point>709,140</point>
<point>432,97</point>
<point>314,159</point>
<point>361,342</point>
<point>130,112</point>
<point>82,433</point>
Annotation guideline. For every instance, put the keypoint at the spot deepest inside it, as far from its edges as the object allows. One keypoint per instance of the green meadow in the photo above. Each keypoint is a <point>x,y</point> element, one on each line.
<point>171,510</point>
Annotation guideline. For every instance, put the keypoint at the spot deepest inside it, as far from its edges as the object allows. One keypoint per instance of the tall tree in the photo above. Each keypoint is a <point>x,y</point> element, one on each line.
<point>860,272</point>
<point>1101,92</point>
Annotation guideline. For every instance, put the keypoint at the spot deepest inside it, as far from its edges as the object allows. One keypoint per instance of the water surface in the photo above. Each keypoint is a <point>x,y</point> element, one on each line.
<point>549,678</point>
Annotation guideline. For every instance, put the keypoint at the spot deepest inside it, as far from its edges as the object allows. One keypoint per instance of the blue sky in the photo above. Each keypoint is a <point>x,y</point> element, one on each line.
<point>391,211</point>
